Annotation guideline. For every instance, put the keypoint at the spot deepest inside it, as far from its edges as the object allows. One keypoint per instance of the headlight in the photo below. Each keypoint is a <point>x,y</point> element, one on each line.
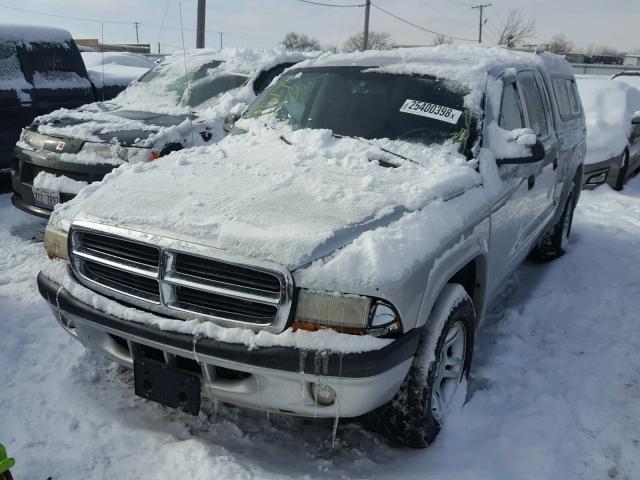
<point>345,313</point>
<point>111,150</point>
<point>55,243</point>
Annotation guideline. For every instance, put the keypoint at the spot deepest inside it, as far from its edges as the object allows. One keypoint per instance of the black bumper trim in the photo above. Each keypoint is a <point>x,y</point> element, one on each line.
<point>349,365</point>
<point>19,203</point>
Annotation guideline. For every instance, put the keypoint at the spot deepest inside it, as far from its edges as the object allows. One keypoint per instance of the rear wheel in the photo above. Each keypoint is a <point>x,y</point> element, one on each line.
<point>622,173</point>
<point>555,242</point>
<point>415,415</point>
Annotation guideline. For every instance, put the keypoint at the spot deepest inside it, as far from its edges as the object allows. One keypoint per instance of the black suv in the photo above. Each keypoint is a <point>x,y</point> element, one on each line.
<point>41,70</point>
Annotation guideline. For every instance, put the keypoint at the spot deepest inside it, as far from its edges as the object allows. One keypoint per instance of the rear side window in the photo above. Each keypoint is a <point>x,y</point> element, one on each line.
<point>566,96</point>
<point>535,105</point>
<point>53,57</point>
<point>510,110</point>
<point>574,97</point>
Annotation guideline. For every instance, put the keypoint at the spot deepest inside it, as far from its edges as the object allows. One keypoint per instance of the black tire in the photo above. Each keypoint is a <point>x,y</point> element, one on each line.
<point>408,420</point>
<point>554,242</point>
<point>622,173</point>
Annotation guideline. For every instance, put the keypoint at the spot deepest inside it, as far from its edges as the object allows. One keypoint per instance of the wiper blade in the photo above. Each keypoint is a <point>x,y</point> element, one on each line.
<point>336,135</point>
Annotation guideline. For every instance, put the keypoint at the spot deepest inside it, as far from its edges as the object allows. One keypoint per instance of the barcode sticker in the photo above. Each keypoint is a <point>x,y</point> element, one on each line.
<point>431,110</point>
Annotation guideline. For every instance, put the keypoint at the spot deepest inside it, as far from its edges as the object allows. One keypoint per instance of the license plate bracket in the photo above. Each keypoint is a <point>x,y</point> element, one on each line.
<point>156,381</point>
<point>45,197</point>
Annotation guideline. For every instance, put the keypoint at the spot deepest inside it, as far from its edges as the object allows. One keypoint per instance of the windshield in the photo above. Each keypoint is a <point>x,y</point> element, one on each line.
<point>204,83</point>
<point>350,101</point>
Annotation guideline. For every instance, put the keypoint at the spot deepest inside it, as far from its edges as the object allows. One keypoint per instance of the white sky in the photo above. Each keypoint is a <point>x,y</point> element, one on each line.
<point>262,23</point>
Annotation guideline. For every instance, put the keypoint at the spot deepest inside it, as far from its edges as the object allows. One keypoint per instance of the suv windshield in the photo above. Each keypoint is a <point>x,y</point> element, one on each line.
<point>350,101</point>
<point>204,83</point>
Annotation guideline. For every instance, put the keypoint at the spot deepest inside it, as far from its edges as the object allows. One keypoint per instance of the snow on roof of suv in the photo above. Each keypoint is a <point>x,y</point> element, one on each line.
<point>32,34</point>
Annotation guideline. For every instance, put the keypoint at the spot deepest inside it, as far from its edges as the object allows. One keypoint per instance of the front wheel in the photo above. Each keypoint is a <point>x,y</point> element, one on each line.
<point>415,415</point>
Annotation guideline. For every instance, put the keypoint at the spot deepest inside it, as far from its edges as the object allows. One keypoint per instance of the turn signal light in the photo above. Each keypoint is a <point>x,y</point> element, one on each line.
<point>155,154</point>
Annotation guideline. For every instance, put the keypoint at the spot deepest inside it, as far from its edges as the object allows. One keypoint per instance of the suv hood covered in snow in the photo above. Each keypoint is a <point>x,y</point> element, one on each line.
<point>103,123</point>
<point>287,200</point>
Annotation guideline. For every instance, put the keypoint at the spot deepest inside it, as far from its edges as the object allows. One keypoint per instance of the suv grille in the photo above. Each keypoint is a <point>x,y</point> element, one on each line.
<point>177,283</point>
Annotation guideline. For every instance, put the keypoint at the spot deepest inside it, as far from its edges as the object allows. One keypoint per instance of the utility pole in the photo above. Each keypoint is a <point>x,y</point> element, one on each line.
<point>136,24</point>
<point>200,24</point>
<point>481,8</point>
<point>367,10</point>
<point>220,40</point>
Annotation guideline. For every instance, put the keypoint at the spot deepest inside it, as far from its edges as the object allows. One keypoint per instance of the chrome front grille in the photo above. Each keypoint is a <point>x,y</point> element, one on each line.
<point>167,277</point>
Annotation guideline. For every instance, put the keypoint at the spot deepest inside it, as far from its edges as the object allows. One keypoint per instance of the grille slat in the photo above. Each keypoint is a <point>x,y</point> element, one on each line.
<point>131,251</point>
<point>219,303</point>
<point>226,273</point>
<point>119,280</point>
<point>178,284</point>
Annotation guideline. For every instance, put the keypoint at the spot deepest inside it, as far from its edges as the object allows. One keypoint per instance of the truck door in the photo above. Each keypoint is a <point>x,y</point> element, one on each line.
<point>510,212</point>
<point>541,201</point>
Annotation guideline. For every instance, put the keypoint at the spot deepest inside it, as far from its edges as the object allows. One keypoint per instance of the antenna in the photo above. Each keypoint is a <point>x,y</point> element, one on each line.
<point>102,52</point>
<point>186,71</point>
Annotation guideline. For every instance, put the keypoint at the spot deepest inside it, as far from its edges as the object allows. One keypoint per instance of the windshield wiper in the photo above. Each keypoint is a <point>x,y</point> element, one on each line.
<point>386,164</point>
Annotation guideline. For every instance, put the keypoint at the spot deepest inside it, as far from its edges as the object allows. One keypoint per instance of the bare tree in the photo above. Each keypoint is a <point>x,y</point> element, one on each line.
<point>377,41</point>
<point>516,29</point>
<point>560,44</point>
<point>300,42</point>
<point>441,40</point>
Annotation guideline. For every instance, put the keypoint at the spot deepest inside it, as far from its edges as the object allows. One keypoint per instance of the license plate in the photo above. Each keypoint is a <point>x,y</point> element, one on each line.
<point>46,198</point>
<point>168,386</point>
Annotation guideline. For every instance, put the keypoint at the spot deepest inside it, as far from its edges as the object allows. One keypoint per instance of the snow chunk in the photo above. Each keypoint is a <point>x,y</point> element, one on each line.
<point>49,181</point>
<point>322,340</point>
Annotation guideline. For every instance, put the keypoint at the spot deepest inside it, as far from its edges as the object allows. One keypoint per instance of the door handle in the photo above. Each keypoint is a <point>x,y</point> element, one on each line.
<point>531,181</point>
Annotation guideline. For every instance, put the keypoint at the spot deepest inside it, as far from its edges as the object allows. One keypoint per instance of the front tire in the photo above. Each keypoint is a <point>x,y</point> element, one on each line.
<point>415,415</point>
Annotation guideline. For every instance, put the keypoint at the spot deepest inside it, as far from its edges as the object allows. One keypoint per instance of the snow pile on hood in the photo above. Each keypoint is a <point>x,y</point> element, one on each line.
<point>153,97</point>
<point>257,196</point>
<point>465,66</point>
<point>49,181</point>
<point>120,68</point>
<point>608,107</point>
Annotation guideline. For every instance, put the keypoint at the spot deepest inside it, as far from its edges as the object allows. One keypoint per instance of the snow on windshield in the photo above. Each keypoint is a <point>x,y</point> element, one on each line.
<point>117,68</point>
<point>608,107</point>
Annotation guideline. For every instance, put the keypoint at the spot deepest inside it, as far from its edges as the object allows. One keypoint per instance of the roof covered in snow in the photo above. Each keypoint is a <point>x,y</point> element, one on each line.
<point>32,34</point>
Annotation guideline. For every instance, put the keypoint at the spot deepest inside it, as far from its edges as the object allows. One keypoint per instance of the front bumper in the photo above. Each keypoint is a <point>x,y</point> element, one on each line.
<point>596,174</point>
<point>28,163</point>
<point>274,378</point>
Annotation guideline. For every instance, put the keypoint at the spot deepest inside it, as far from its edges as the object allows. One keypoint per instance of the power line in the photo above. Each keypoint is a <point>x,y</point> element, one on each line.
<point>418,26</point>
<point>333,4</point>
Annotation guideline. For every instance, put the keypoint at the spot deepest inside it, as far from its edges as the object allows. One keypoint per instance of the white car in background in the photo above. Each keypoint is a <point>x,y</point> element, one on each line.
<point>612,111</point>
<point>112,72</point>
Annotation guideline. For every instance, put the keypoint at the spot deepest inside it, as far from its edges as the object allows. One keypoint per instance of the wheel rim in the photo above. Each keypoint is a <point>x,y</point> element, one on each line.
<point>449,370</point>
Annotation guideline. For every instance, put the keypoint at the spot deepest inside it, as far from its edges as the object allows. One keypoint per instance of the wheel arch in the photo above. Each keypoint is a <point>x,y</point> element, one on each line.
<point>467,266</point>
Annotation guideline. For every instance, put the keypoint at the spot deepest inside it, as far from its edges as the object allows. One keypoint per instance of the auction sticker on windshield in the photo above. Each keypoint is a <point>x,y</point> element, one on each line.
<point>431,110</point>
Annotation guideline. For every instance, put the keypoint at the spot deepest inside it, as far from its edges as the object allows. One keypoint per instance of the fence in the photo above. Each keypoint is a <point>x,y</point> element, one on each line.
<point>599,69</point>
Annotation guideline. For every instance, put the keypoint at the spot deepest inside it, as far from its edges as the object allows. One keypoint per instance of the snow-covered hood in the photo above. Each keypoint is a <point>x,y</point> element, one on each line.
<point>105,122</point>
<point>258,196</point>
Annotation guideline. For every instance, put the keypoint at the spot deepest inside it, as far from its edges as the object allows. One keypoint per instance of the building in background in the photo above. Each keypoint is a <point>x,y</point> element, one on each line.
<point>95,45</point>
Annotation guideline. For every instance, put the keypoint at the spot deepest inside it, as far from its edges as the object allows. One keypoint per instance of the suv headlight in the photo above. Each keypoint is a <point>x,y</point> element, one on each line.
<point>56,242</point>
<point>110,150</point>
<point>345,313</point>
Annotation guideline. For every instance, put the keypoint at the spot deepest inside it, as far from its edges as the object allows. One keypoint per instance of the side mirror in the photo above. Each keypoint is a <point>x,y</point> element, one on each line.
<point>537,153</point>
<point>635,119</point>
<point>229,121</point>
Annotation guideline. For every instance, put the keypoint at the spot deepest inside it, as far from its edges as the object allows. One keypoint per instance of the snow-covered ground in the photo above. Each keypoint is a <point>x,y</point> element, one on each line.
<point>554,393</point>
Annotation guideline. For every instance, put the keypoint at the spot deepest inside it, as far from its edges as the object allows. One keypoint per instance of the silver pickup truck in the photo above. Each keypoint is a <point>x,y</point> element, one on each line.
<point>335,254</point>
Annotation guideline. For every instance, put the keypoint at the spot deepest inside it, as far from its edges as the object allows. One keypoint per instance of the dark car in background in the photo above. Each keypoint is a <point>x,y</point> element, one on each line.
<point>41,70</point>
<point>180,103</point>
